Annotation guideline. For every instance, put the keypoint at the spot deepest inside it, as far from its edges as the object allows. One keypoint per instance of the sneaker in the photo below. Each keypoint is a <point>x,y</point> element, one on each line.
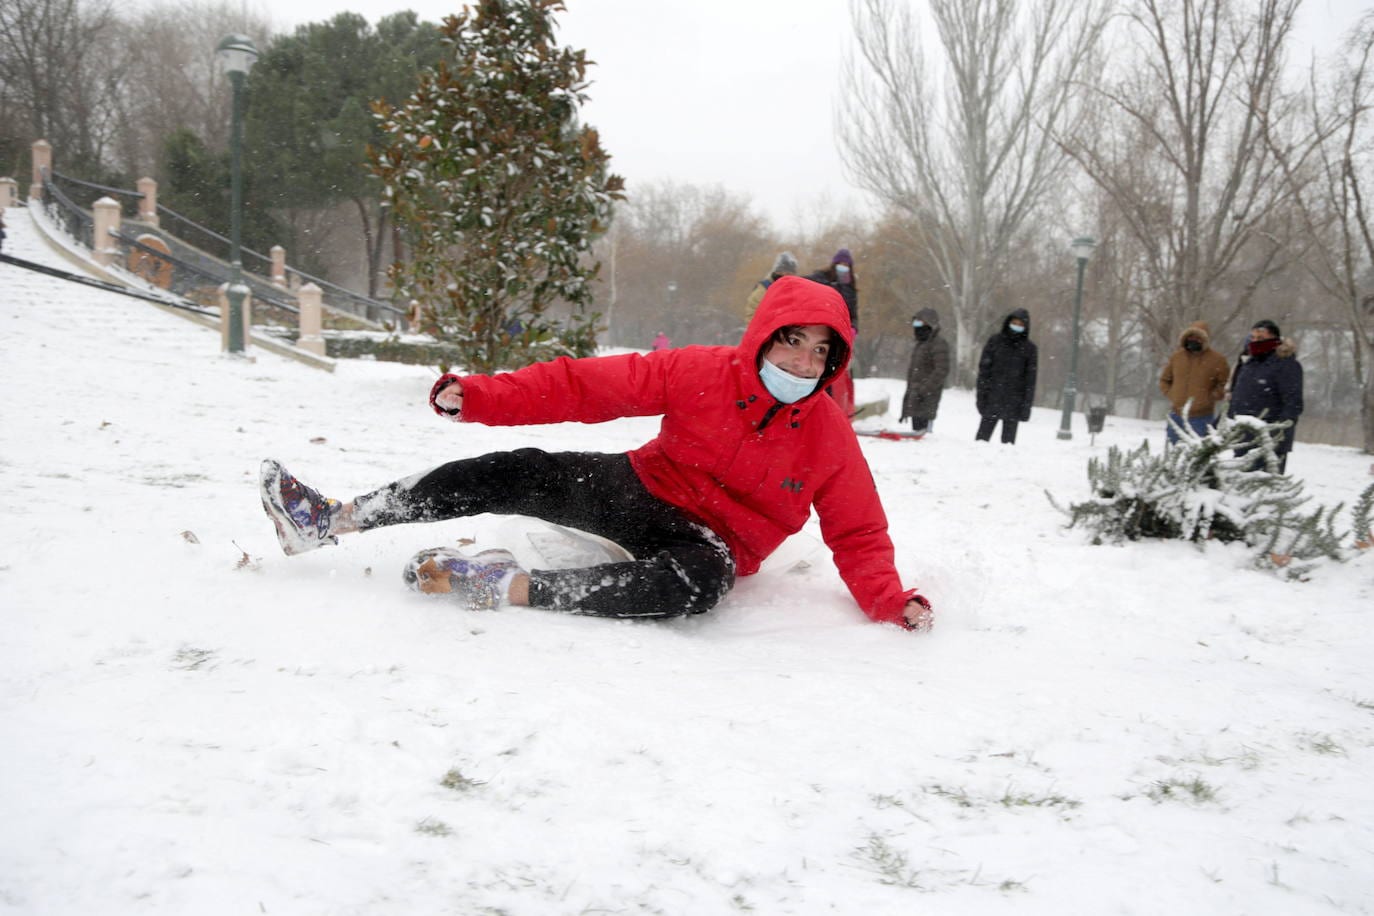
<point>480,583</point>
<point>302,515</point>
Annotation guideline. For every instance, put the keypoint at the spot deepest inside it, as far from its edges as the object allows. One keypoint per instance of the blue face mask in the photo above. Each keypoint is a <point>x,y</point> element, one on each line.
<point>783,385</point>
<point>918,323</point>
<point>1017,328</point>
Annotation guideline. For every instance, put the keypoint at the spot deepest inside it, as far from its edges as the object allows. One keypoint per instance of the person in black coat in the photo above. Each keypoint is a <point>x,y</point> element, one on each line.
<point>1006,377</point>
<point>925,377</point>
<point>839,276</point>
<point>1267,384</point>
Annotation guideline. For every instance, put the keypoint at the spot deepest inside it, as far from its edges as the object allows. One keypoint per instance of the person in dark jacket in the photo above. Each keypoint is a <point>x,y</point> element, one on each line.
<point>748,447</point>
<point>925,377</point>
<point>1006,377</point>
<point>839,276</point>
<point>1267,384</point>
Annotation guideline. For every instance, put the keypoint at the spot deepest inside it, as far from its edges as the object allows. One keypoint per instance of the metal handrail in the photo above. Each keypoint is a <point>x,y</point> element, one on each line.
<point>368,304</point>
<point>98,187</point>
<point>204,274</point>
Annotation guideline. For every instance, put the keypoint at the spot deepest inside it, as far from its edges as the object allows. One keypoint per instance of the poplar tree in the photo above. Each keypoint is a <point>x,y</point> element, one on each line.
<point>501,191</point>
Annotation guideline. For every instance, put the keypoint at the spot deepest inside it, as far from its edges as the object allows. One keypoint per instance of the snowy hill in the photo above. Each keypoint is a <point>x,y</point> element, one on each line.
<point>206,726</point>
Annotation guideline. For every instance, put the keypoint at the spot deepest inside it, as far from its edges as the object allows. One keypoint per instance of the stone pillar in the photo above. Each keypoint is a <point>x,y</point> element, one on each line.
<point>9,192</point>
<point>278,266</point>
<point>147,205</point>
<point>224,318</point>
<point>104,248</point>
<point>42,161</point>
<point>309,299</point>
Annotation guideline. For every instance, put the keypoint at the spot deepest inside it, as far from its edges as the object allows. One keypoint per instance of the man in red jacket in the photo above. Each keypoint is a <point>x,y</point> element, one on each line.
<point>749,443</point>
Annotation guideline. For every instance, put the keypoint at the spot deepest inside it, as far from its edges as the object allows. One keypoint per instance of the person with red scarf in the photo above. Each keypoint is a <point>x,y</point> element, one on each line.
<point>747,446</point>
<point>1267,384</point>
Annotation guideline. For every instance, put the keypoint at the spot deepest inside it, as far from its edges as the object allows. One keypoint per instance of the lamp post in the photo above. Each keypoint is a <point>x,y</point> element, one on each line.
<point>1082,248</point>
<point>236,54</point>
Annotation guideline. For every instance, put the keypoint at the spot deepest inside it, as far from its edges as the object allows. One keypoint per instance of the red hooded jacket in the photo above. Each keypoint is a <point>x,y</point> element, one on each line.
<point>728,453</point>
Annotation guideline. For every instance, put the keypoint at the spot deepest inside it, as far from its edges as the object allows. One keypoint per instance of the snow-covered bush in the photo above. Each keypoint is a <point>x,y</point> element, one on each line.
<point>1197,490</point>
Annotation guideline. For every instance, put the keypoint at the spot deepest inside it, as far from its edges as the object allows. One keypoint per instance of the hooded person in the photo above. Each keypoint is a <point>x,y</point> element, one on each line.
<point>1267,384</point>
<point>747,446</point>
<point>785,265</point>
<point>926,375</point>
<point>1194,381</point>
<point>1006,378</point>
<point>839,276</point>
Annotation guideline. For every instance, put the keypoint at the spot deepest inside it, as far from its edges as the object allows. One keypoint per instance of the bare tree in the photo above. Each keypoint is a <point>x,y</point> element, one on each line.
<point>52,66</point>
<point>679,264</point>
<point>1187,152</point>
<point>173,79</point>
<point>1334,193</point>
<point>969,165</point>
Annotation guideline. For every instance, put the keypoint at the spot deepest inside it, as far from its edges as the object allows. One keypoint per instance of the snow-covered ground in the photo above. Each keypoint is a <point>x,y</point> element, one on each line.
<point>193,723</point>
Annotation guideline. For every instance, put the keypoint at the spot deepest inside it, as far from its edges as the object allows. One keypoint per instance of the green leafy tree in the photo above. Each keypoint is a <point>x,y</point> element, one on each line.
<point>196,186</point>
<point>308,126</point>
<point>501,191</point>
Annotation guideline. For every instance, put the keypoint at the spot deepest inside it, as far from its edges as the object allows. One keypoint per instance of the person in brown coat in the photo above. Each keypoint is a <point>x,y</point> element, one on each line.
<point>1195,373</point>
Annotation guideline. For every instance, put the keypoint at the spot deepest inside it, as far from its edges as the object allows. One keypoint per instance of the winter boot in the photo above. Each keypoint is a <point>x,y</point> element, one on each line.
<point>480,583</point>
<point>302,515</point>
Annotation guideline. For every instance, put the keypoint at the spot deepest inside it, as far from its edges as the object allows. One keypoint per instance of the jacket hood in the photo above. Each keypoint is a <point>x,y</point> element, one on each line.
<point>1021,314</point>
<point>792,301</point>
<point>1199,330</point>
<point>930,317</point>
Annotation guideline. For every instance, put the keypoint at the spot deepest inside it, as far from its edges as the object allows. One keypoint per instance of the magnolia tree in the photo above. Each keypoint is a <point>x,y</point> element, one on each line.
<point>500,190</point>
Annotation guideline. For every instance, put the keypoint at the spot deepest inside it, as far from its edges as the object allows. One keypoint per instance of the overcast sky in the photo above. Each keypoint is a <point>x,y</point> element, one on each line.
<point>739,93</point>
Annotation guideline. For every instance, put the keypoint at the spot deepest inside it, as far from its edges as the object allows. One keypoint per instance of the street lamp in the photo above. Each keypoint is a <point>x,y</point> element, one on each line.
<point>1082,248</point>
<point>236,55</point>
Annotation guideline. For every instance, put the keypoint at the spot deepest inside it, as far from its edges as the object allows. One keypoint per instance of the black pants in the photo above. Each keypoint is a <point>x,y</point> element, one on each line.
<point>986,427</point>
<point>680,566</point>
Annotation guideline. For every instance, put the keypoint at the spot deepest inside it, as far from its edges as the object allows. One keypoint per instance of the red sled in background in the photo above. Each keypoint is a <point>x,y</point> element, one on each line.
<point>896,435</point>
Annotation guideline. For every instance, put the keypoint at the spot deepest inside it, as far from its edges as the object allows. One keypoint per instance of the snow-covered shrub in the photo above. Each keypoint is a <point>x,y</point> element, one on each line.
<point>1197,490</point>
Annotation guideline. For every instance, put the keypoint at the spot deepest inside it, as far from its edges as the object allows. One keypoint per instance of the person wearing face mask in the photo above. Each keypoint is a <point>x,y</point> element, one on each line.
<point>925,377</point>
<point>1194,381</point>
<point>839,276</point>
<point>1006,378</point>
<point>1267,384</point>
<point>748,445</point>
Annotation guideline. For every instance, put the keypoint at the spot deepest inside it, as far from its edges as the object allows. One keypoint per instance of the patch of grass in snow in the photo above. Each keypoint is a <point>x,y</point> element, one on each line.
<point>455,780</point>
<point>1187,789</point>
<point>189,658</point>
<point>1247,759</point>
<point>1011,798</point>
<point>889,864</point>
<point>1319,743</point>
<point>433,827</point>
<point>958,796</point>
<point>1363,704</point>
